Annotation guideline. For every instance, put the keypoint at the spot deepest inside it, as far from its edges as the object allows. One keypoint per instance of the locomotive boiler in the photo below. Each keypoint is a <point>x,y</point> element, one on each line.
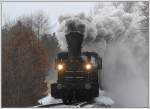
<point>78,72</point>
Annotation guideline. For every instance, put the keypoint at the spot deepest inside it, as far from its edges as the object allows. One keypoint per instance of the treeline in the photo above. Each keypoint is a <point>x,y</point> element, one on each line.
<point>28,51</point>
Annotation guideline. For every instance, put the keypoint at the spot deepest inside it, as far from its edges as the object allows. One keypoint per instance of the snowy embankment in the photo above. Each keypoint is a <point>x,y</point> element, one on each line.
<point>49,100</point>
<point>103,99</point>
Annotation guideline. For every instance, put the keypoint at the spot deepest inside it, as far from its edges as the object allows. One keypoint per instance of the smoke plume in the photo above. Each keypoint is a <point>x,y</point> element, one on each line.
<point>114,34</point>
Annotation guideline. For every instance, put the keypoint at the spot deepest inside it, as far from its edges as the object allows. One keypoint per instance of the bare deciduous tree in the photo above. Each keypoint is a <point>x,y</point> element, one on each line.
<point>145,12</point>
<point>128,6</point>
<point>52,47</point>
<point>24,68</point>
<point>39,23</point>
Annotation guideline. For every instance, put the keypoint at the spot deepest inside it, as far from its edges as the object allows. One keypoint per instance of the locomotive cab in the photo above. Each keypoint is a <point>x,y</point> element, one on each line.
<point>78,74</point>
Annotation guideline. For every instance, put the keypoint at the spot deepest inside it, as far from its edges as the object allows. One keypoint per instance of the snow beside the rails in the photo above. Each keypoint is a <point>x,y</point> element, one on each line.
<point>103,99</point>
<point>49,100</point>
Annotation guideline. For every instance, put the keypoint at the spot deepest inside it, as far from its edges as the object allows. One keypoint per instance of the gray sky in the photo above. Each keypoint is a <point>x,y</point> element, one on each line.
<point>12,10</point>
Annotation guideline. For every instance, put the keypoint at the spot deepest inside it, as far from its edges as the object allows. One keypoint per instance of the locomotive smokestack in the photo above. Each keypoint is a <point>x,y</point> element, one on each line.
<point>74,37</point>
<point>74,41</point>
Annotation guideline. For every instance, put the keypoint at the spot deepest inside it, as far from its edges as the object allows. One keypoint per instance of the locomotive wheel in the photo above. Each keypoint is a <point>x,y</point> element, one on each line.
<point>67,98</point>
<point>66,101</point>
<point>90,99</point>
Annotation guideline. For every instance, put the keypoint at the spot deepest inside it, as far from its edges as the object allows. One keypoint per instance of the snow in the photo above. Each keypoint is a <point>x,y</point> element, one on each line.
<point>49,100</point>
<point>103,99</point>
<point>100,101</point>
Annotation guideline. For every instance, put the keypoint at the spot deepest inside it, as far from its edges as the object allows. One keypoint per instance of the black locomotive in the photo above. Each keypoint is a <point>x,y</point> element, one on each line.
<point>78,72</point>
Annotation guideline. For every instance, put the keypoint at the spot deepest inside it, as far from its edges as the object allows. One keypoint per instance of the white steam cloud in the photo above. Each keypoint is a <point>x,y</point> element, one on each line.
<point>114,34</point>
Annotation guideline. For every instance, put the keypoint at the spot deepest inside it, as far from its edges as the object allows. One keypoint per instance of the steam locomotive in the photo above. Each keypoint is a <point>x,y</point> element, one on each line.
<point>78,72</point>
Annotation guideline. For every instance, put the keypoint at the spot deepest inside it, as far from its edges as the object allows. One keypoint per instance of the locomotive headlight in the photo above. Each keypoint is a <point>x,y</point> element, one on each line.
<point>88,66</point>
<point>60,66</point>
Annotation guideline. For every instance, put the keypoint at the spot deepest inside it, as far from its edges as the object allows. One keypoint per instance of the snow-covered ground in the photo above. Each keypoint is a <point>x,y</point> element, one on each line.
<point>49,100</point>
<point>100,101</point>
<point>103,99</point>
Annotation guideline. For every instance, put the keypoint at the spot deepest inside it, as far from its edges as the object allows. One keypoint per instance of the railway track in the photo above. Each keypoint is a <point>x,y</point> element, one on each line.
<point>74,105</point>
<point>81,104</point>
<point>48,105</point>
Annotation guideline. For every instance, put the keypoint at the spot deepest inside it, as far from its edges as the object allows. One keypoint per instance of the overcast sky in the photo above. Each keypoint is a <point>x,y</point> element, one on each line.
<point>12,10</point>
